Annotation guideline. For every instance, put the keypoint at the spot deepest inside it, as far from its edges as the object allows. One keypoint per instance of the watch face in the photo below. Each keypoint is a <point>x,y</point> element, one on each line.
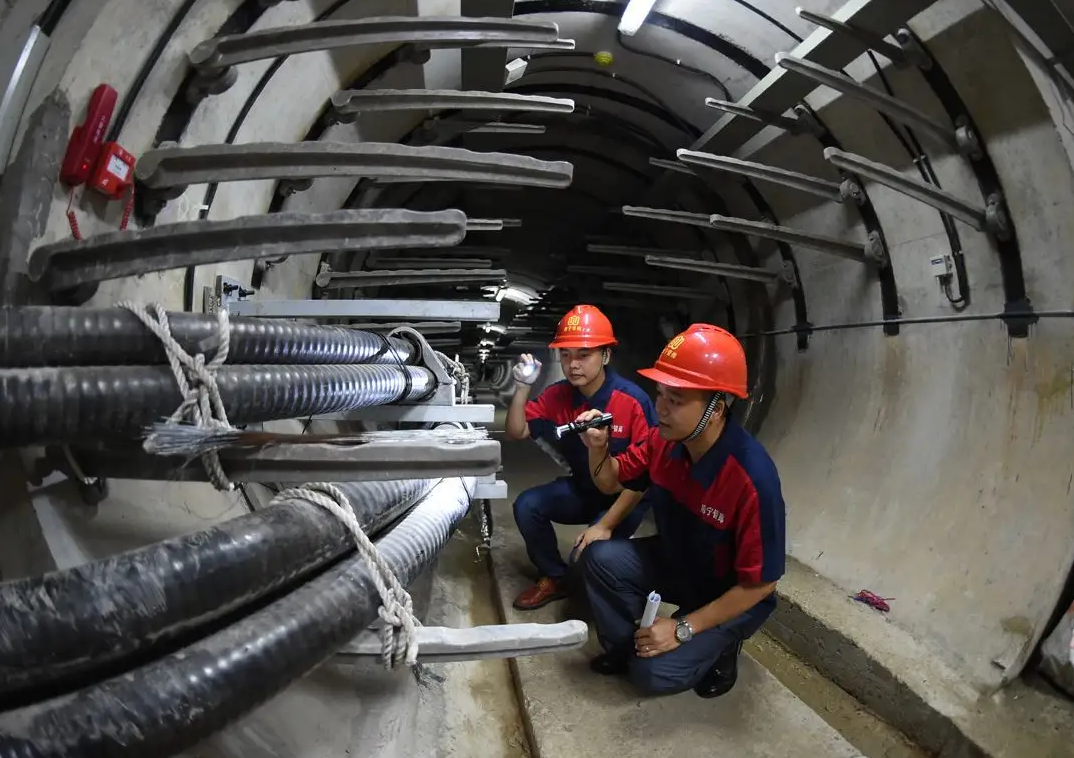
<point>682,633</point>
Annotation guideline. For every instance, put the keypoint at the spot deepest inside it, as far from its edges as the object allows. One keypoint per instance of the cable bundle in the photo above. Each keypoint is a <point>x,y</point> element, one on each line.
<point>79,374</point>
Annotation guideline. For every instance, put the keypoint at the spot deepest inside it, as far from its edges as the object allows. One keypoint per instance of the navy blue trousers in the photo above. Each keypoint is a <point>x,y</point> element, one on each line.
<point>619,576</point>
<point>560,502</point>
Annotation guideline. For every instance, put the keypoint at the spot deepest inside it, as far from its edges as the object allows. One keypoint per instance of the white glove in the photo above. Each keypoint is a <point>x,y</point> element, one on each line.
<point>526,370</point>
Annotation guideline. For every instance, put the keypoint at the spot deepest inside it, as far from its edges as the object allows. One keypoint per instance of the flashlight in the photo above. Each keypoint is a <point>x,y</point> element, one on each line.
<point>577,427</point>
<point>528,369</point>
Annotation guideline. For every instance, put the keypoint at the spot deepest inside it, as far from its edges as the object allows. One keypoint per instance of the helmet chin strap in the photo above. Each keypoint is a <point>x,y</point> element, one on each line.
<point>707,415</point>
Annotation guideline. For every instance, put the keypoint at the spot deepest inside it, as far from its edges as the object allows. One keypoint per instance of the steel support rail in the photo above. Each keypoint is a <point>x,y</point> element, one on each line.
<point>419,414</point>
<point>63,265</point>
<point>639,252</point>
<point>173,168</point>
<point>803,182</point>
<point>866,38</point>
<point>384,100</point>
<point>669,165</point>
<point>424,327</point>
<point>794,126</point>
<point>455,310</point>
<point>660,290</point>
<point>675,217</point>
<point>408,277</point>
<point>215,58</point>
<point>731,271</point>
<point>16,93</point>
<point>992,218</point>
<point>779,90</point>
<point>855,251</point>
<point>898,110</point>
<point>393,262</point>
<point>375,460</point>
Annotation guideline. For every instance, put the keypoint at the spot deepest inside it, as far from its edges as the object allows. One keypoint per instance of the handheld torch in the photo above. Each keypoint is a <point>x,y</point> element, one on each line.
<point>577,427</point>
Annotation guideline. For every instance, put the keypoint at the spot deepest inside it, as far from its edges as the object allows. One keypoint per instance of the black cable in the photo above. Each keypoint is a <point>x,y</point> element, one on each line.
<point>960,317</point>
<point>51,16</point>
<point>143,73</point>
<point>671,62</point>
<point>920,159</point>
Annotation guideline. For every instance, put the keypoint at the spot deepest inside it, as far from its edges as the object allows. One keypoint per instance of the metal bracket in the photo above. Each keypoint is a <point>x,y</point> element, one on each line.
<point>347,102</point>
<point>802,182</point>
<point>70,263</point>
<point>491,488</point>
<point>163,172</point>
<point>660,290</point>
<point>854,251</point>
<point>851,189</point>
<point>914,52</point>
<point>675,217</point>
<point>390,262</point>
<point>404,277</point>
<point>869,40</point>
<point>994,222</point>
<point>214,57</point>
<point>223,291</point>
<point>875,249</point>
<point>749,273</point>
<point>786,123</point>
<point>640,252</point>
<point>669,165</point>
<point>485,224</point>
<point>456,310</point>
<point>968,142</point>
<point>787,275</point>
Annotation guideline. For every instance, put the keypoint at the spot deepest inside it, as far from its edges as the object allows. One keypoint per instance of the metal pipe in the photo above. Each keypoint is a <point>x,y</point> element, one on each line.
<point>383,100</point>
<point>897,109</point>
<point>60,336</point>
<point>1026,320</point>
<point>67,623</point>
<point>44,405</point>
<point>148,711</point>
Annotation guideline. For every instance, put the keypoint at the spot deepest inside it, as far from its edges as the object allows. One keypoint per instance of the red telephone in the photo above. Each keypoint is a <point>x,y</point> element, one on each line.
<point>84,148</point>
<point>107,167</point>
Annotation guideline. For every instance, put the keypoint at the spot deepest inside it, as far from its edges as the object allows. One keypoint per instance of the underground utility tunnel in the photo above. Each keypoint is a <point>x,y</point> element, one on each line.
<point>362,213</point>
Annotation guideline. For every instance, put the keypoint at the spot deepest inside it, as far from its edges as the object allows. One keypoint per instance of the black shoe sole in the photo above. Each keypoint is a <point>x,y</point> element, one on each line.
<point>719,682</point>
<point>606,665</point>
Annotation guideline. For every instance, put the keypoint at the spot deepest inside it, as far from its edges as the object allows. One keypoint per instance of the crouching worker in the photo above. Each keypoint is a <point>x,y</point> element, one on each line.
<point>584,340</point>
<point>719,512</point>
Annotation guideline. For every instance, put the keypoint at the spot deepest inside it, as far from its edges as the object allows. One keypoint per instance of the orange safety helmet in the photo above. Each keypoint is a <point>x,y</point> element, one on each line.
<point>704,357</point>
<point>584,326</point>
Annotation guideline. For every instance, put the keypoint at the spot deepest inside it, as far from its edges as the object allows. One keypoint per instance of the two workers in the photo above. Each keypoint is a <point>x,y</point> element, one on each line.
<point>716,499</point>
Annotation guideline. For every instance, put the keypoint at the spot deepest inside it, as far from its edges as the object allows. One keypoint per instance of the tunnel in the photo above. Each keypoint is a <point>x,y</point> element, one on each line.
<point>394,197</point>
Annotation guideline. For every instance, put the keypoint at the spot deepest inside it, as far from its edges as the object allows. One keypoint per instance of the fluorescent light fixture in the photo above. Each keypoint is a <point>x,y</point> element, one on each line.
<point>634,16</point>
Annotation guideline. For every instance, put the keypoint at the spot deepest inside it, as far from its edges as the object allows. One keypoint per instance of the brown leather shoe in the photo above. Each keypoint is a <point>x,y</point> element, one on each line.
<point>539,595</point>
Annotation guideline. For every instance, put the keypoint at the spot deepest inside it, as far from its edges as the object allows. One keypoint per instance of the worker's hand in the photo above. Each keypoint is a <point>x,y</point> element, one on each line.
<point>595,533</point>
<point>657,639</point>
<point>596,439</point>
<point>527,370</point>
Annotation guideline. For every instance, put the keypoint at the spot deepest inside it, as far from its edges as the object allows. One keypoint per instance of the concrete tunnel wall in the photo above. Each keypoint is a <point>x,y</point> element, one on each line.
<point>976,552</point>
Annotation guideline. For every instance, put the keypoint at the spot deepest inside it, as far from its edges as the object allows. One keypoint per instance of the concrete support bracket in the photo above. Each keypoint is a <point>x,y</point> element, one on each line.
<point>854,251</point>
<point>63,265</point>
<point>802,182</point>
<point>405,277</point>
<point>748,273</point>
<point>215,58</point>
<point>456,310</point>
<point>662,290</point>
<point>898,110</point>
<point>994,221</point>
<point>164,173</point>
<point>347,102</point>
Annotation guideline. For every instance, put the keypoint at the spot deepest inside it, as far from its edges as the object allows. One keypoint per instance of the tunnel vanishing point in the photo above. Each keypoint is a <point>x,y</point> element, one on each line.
<point>875,196</point>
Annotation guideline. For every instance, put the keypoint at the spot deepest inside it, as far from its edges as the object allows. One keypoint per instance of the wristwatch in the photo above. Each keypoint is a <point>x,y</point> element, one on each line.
<point>683,631</point>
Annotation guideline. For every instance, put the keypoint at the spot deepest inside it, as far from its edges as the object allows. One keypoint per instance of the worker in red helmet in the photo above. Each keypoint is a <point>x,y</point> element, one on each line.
<point>583,341</point>
<point>719,512</point>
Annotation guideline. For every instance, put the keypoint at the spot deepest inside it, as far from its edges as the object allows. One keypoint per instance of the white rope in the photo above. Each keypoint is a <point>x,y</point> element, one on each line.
<point>202,404</point>
<point>399,642</point>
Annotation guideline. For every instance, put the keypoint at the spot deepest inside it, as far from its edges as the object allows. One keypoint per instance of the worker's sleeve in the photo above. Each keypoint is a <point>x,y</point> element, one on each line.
<point>760,542</point>
<point>539,413</point>
<point>642,422</point>
<point>634,462</point>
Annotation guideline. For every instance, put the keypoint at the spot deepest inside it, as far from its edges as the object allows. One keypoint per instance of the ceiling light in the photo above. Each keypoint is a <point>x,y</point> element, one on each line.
<point>634,16</point>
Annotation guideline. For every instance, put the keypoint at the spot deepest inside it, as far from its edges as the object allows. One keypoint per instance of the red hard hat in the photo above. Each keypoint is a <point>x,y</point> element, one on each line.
<point>704,357</point>
<point>584,326</point>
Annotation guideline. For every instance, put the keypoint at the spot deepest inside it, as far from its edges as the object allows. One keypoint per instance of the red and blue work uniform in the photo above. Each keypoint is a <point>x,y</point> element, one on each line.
<point>575,499</point>
<point>720,522</point>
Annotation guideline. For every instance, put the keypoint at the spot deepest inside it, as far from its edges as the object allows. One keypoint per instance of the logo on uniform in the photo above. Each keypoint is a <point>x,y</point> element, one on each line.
<point>573,323</point>
<point>716,515</point>
<point>673,346</point>
<point>617,428</point>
